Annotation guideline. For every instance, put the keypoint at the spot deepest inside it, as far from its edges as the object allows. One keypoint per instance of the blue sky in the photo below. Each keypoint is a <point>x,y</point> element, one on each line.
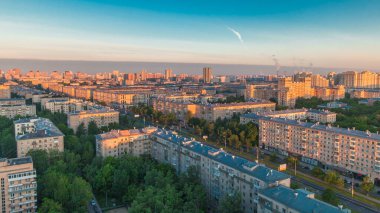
<point>318,32</point>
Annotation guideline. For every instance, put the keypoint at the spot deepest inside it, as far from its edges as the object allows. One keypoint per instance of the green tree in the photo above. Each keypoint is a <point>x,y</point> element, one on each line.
<point>329,196</point>
<point>93,128</point>
<point>230,204</point>
<point>333,177</point>
<point>367,185</point>
<point>50,206</point>
<point>318,172</point>
<point>81,130</point>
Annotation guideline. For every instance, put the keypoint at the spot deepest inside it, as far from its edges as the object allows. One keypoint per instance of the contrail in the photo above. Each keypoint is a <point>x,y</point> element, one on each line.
<point>238,35</point>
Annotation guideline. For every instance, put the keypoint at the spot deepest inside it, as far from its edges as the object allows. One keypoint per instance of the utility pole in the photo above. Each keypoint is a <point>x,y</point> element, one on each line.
<point>352,185</point>
<point>257,154</point>
<point>295,167</point>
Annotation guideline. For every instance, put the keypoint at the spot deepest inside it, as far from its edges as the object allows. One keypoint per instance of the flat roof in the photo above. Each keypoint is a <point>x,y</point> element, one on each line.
<point>329,128</point>
<point>298,200</point>
<point>251,168</point>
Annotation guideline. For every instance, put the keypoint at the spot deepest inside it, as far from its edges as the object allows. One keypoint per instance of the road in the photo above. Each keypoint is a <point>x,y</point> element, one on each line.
<point>94,208</point>
<point>347,201</point>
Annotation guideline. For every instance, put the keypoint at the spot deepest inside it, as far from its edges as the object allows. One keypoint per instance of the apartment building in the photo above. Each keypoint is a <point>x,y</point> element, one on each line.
<point>365,93</point>
<point>5,91</point>
<point>85,93</point>
<point>289,90</point>
<point>364,79</point>
<point>286,200</point>
<point>37,133</point>
<point>303,86</point>
<point>202,109</point>
<point>102,116</point>
<point>134,142</point>
<point>322,116</point>
<point>220,172</point>
<point>263,92</point>
<point>12,101</point>
<point>11,111</point>
<point>123,98</point>
<point>65,105</point>
<point>323,145</point>
<point>18,185</point>
<point>330,93</point>
<point>319,81</point>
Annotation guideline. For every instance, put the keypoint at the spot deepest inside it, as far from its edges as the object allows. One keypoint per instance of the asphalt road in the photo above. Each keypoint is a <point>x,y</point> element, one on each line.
<point>347,201</point>
<point>95,208</point>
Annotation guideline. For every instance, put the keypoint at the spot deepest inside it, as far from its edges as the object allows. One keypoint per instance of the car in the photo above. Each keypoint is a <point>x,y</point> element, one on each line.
<point>93,203</point>
<point>378,192</point>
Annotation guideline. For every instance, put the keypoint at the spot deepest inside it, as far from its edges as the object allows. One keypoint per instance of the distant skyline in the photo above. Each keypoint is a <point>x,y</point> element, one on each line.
<point>92,67</point>
<point>314,33</point>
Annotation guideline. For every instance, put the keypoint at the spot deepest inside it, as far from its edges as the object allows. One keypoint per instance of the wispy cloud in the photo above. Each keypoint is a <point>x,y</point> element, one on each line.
<point>237,34</point>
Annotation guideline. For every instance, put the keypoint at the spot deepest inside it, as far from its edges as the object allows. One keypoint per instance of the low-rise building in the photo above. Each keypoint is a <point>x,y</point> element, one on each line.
<point>119,142</point>
<point>18,185</point>
<point>37,133</point>
<point>102,116</point>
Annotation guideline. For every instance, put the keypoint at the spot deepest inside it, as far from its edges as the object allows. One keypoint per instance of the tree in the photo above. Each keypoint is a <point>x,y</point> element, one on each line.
<point>318,172</point>
<point>50,206</point>
<point>92,128</point>
<point>230,204</point>
<point>329,196</point>
<point>333,177</point>
<point>81,130</point>
<point>367,185</point>
<point>291,161</point>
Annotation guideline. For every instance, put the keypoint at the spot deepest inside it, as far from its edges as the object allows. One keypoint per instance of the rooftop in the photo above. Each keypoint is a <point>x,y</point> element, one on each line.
<point>259,171</point>
<point>329,128</point>
<point>299,200</point>
<point>17,161</point>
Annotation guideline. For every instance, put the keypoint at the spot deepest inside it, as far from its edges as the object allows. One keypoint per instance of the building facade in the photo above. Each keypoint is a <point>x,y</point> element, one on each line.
<point>115,143</point>
<point>5,91</point>
<point>18,185</point>
<point>37,133</point>
<point>11,111</point>
<point>322,116</point>
<point>102,117</point>
<point>323,145</point>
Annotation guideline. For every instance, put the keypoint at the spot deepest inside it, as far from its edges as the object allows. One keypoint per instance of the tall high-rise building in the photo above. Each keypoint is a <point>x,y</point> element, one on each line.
<point>168,74</point>
<point>18,185</point>
<point>207,74</point>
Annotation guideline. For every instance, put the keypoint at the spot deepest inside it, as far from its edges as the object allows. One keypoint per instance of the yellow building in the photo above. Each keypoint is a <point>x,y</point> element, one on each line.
<point>102,117</point>
<point>37,133</point>
<point>5,91</point>
<point>319,81</point>
<point>115,143</point>
<point>365,79</point>
<point>18,185</point>
<point>207,75</point>
<point>289,90</point>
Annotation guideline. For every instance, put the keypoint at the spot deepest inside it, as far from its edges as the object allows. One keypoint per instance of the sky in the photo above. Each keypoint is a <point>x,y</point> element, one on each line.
<point>312,33</point>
